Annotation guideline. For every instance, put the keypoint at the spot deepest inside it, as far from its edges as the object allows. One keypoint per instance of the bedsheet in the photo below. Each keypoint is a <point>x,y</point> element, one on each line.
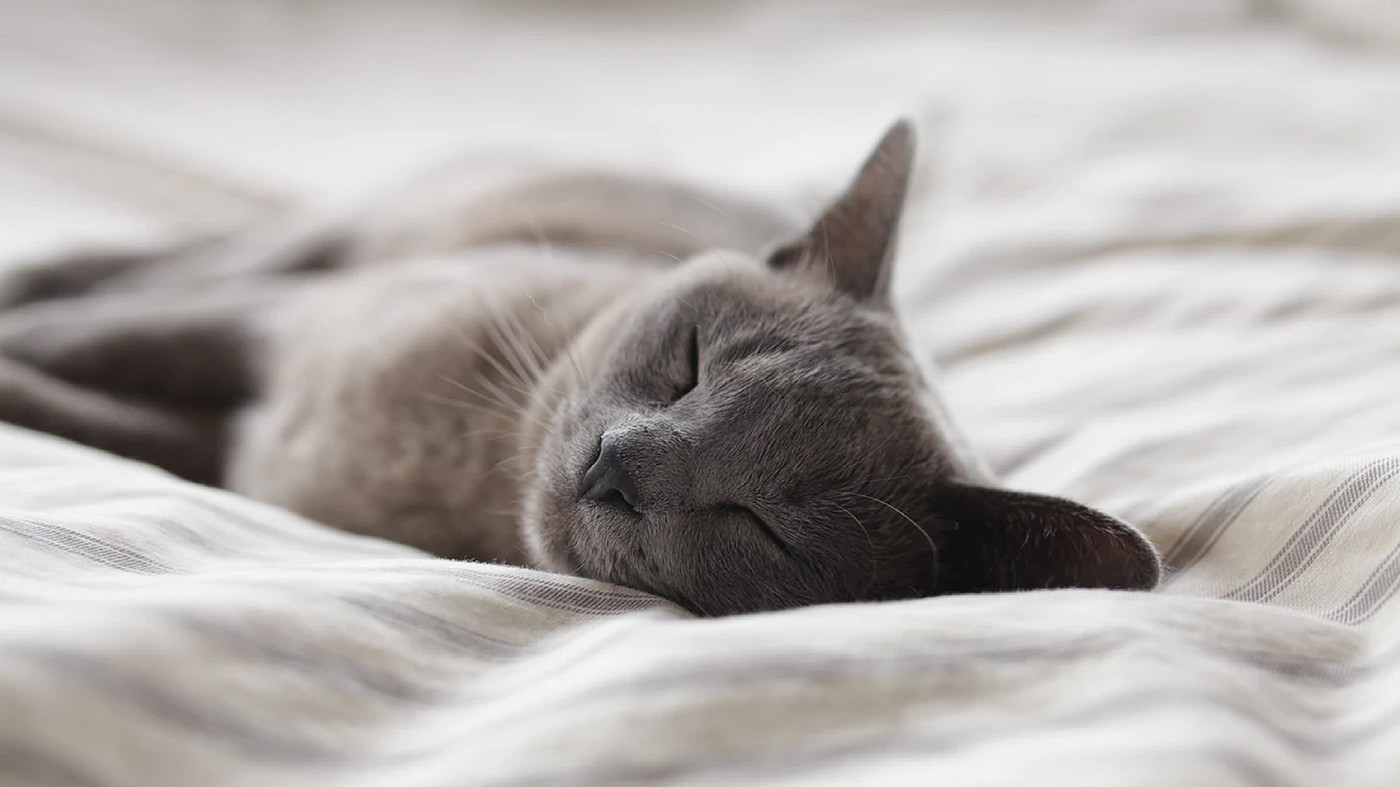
<point>1155,248</point>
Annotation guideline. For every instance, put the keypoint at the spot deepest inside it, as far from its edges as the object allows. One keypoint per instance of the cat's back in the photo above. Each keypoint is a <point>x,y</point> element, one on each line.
<point>393,395</point>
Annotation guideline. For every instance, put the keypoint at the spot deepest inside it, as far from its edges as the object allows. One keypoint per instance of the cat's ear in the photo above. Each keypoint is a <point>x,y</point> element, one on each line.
<point>1003,540</point>
<point>853,242</point>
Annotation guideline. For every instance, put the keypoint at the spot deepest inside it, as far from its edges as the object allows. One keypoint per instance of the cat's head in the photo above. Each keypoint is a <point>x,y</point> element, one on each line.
<point>755,434</point>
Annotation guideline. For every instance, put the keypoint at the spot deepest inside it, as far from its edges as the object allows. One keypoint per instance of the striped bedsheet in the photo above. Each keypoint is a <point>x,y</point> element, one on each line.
<point>1155,248</point>
<point>156,633</point>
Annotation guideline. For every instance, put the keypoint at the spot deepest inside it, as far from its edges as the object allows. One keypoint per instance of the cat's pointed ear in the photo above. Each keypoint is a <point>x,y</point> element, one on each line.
<point>853,242</point>
<point>1003,540</point>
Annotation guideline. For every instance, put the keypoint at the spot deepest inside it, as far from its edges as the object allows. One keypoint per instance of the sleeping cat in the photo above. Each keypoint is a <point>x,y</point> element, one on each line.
<point>528,374</point>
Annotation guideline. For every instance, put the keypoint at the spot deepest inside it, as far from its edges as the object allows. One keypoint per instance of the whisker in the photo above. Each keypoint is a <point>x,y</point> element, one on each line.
<point>868,540</point>
<point>537,229</point>
<point>500,395</point>
<point>496,468</point>
<point>715,208</point>
<point>457,403</point>
<point>694,312</point>
<point>524,392</point>
<point>724,258</point>
<point>487,434</point>
<point>933,549</point>
<point>563,340</point>
<point>515,375</point>
<point>506,403</point>
<point>678,228</point>
<point>488,357</point>
<point>901,477</point>
<point>508,378</point>
<point>526,351</point>
<point>518,353</point>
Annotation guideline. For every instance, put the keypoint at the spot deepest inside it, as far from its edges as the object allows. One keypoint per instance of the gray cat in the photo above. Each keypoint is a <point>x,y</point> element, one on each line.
<point>524,373</point>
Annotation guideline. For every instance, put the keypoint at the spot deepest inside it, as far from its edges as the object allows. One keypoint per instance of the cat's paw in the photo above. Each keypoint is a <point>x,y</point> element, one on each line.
<point>64,277</point>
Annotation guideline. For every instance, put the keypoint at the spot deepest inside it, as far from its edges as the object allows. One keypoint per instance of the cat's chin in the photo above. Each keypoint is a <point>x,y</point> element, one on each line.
<point>563,534</point>
<point>546,535</point>
<point>570,536</point>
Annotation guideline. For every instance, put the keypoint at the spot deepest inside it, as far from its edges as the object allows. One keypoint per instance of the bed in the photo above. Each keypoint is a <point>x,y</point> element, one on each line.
<point>1155,248</point>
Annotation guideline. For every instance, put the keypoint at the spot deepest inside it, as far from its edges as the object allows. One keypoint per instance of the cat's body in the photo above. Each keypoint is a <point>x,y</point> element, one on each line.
<point>531,375</point>
<point>394,404</point>
<point>370,370</point>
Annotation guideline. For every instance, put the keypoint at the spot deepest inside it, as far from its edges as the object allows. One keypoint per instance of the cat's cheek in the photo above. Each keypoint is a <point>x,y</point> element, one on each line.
<point>547,537</point>
<point>544,511</point>
<point>547,493</point>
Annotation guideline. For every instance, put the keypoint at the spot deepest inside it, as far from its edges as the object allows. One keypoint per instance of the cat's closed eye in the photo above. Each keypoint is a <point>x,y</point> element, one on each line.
<point>691,376</point>
<point>752,519</point>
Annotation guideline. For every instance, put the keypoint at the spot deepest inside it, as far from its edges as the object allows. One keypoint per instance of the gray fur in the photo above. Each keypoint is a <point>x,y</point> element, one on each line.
<point>520,373</point>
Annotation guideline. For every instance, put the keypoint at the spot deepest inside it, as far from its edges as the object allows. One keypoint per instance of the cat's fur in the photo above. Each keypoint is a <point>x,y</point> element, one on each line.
<point>540,384</point>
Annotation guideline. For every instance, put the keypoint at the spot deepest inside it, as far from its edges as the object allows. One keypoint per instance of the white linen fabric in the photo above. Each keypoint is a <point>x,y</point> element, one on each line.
<point>1154,246</point>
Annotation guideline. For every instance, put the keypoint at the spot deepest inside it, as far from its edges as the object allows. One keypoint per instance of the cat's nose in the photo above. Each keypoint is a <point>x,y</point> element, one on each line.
<point>609,480</point>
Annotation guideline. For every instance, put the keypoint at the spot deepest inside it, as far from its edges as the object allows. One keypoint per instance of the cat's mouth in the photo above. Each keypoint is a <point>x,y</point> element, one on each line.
<point>604,545</point>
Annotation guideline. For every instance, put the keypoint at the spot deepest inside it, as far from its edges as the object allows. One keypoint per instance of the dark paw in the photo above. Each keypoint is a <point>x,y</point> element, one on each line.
<point>64,277</point>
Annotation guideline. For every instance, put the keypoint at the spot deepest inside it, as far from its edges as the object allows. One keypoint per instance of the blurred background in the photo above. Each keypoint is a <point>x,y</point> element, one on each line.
<point>127,119</point>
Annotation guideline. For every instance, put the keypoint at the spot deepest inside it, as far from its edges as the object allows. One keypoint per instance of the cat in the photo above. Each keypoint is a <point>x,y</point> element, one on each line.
<point>625,379</point>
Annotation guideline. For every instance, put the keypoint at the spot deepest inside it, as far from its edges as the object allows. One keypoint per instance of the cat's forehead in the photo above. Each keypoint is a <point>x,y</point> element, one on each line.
<point>741,298</point>
<point>830,405</point>
<point>805,375</point>
<point>793,340</point>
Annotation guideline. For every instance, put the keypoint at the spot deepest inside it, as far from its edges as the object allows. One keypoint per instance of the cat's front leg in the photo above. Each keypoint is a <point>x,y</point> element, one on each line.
<point>151,376</point>
<point>189,349</point>
<point>81,273</point>
<point>188,442</point>
<point>297,245</point>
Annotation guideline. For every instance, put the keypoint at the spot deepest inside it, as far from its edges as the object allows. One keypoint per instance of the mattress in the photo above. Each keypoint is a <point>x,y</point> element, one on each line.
<point>1155,248</point>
